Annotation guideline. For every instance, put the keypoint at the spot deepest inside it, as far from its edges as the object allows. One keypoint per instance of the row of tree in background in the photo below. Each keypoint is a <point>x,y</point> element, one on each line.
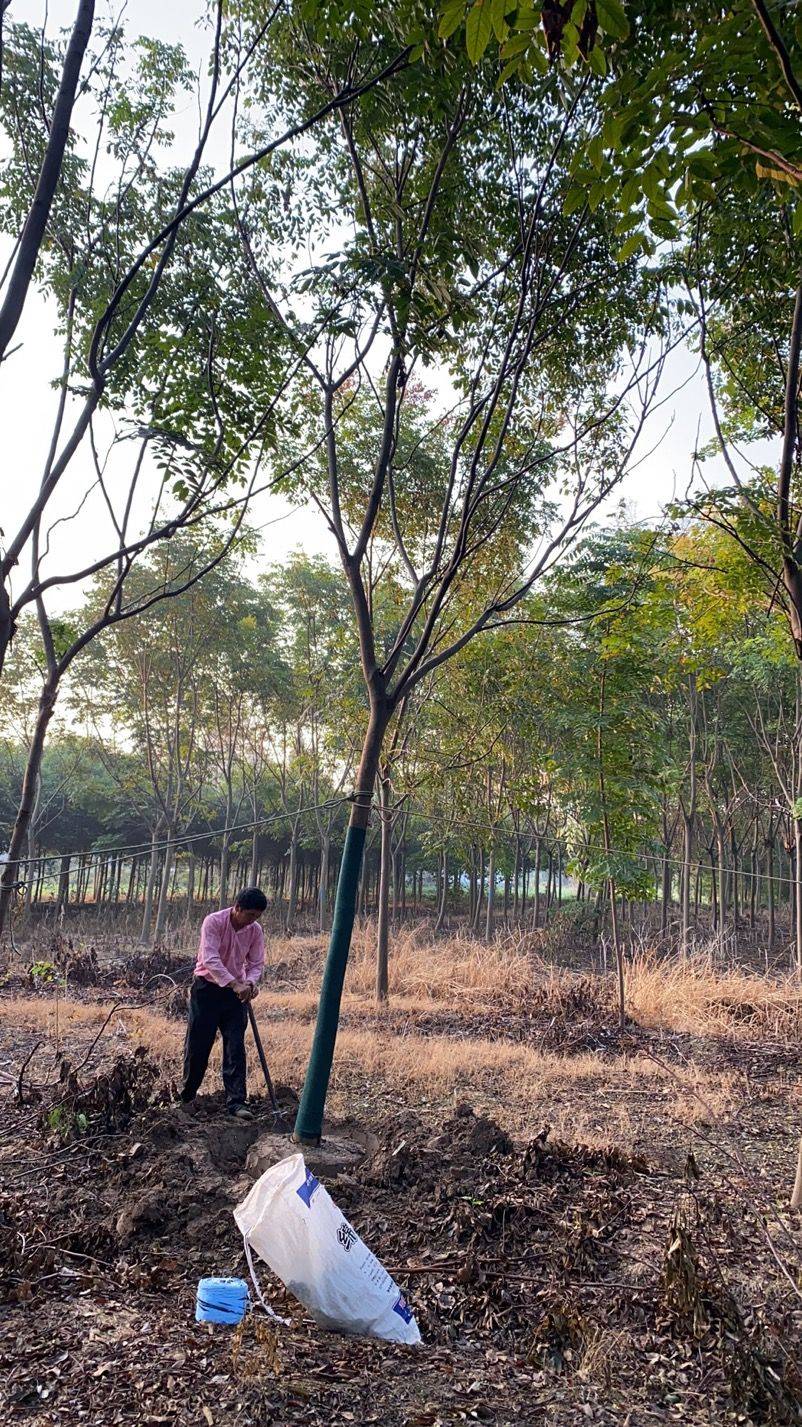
<point>632,741</point>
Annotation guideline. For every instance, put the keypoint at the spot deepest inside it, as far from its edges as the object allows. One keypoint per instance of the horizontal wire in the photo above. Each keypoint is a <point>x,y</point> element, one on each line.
<point>511,837</point>
<point>135,848</point>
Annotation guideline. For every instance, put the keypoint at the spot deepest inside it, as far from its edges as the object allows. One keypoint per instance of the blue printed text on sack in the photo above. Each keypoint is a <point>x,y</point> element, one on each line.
<point>306,1190</point>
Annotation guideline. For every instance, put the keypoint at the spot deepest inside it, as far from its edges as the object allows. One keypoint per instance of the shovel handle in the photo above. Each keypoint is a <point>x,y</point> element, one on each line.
<point>262,1058</point>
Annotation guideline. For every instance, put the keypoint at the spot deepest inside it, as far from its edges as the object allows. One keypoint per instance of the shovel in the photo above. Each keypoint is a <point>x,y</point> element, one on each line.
<point>262,1059</point>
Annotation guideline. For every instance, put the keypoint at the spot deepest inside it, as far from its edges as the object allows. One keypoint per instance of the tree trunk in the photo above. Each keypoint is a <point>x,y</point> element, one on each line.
<point>491,894</point>
<point>63,896</point>
<point>536,904</point>
<point>441,909</point>
<point>164,890</point>
<point>309,1122</point>
<point>385,871</point>
<point>516,872</point>
<point>225,865</point>
<point>292,893</point>
<point>32,868</point>
<point>798,892</point>
<point>323,886</point>
<point>27,802</point>
<point>480,888</point>
<point>685,911</point>
<point>721,846</point>
<point>150,887</point>
<point>190,881</point>
<point>753,879</point>
<point>619,956</point>
<point>770,891</point>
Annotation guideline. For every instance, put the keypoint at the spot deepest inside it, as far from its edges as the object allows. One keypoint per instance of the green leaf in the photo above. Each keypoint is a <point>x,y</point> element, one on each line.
<point>595,152</point>
<point>515,46</point>
<point>451,19</point>
<point>796,221</point>
<point>511,67</point>
<point>612,18</point>
<point>574,200</point>
<point>498,11</point>
<point>478,29</point>
<point>597,61</point>
<point>629,247</point>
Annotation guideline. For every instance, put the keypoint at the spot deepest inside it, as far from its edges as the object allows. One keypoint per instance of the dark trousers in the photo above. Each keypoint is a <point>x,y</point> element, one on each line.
<point>214,1008</point>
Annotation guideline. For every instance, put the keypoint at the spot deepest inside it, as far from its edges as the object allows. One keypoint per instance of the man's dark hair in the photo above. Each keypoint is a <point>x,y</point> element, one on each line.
<point>252,899</point>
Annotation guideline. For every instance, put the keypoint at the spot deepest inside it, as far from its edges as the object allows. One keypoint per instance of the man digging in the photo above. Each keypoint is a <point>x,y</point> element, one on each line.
<point>230,960</point>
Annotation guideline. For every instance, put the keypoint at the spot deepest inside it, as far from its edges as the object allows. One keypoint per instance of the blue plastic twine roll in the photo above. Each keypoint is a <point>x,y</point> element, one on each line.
<point>221,1300</point>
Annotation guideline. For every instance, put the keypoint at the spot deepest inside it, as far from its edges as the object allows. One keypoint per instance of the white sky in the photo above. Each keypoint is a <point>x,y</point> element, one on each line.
<point>27,401</point>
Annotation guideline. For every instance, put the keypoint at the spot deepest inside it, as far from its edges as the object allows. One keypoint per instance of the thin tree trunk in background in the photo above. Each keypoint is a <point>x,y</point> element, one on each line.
<point>536,906</point>
<point>721,847</point>
<point>619,956</point>
<point>685,883</point>
<point>150,887</point>
<point>63,895</point>
<point>28,797</point>
<point>323,887</point>
<point>164,890</point>
<point>292,891</point>
<point>798,892</point>
<point>770,875</point>
<point>225,860</point>
<point>666,895</point>
<point>190,882</point>
<point>516,872</point>
<point>443,899</point>
<point>549,886</point>
<point>491,893</point>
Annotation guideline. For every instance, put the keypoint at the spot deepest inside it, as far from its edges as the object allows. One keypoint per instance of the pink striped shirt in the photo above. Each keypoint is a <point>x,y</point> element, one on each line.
<point>227,955</point>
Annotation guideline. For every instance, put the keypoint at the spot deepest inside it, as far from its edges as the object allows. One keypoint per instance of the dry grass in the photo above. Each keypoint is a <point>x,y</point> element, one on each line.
<point>697,996</point>
<point>587,1097</point>
<point>693,995</point>
<point>448,971</point>
<point>596,1098</point>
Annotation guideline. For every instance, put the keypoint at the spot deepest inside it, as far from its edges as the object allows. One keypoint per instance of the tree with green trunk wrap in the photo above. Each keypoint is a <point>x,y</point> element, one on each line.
<point>451,250</point>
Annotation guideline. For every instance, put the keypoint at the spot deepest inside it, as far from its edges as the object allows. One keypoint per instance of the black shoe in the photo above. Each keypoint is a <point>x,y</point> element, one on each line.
<point>241,1112</point>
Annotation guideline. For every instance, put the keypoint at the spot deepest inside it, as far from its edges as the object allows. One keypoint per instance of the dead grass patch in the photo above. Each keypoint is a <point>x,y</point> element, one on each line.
<point>585,1097</point>
<point>695,995</point>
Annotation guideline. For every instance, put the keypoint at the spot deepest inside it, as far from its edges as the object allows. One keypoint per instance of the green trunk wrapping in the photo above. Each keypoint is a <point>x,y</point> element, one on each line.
<point>309,1123</point>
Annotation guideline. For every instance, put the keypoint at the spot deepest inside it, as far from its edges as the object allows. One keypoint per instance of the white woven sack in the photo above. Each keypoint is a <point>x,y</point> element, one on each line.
<point>293,1224</point>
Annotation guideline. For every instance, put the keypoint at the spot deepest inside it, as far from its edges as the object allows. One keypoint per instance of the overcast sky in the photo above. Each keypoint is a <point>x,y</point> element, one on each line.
<point>28,401</point>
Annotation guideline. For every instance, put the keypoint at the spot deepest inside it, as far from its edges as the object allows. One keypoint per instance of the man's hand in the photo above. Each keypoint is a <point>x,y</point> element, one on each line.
<point>242,989</point>
<point>254,992</point>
